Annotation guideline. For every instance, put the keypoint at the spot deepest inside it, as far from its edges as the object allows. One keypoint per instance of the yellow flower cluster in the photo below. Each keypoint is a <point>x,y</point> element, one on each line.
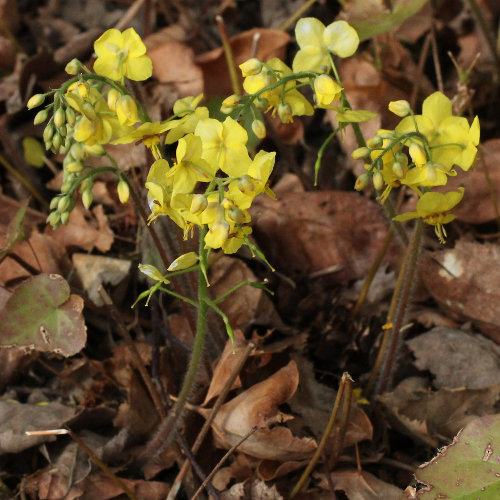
<point>421,153</point>
<point>273,86</point>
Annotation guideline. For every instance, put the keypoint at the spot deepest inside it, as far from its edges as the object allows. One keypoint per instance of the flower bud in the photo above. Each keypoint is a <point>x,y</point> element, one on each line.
<point>63,204</point>
<point>48,132</point>
<point>77,151</point>
<point>113,96</point>
<point>62,130</point>
<point>251,67</point>
<point>327,90</point>
<point>83,89</point>
<point>259,129</point>
<point>374,142</point>
<point>237,215</point>
<point>400,108</point>
<point>54,219</point>
<point>123,191</point>
<point>227,203</point>
<point>246,185</point>
<point>54,202</point>
<point>41,116</point>
<point>261,103</point>
<point>231,101</point>
<point>285,112</point>
<point>87,184</point>
<point>126,110</point>
<point>362,152</point>
<point>362,182</point>
<point>153,273</point>
<point>88,110</point>
<point>397,170</point>
<point>65,217</point>
<point>198,204</point>
<point>56,141</point>
<point>66,186</point>
<point>70,116</point>
<point>217,234</point>
<point>74,167</point>
<point>87,198</point>
<point>95,150</point>
<point>59,117</point>
<point>184,261</point>
<point>72,67</point>
<point>378,180</point>
<point>35,101</point>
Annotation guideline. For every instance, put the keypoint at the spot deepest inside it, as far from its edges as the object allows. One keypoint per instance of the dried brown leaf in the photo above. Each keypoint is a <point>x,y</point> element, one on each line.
<point>258,407</point>
<point>320,230</point>
<point>464,280</point>
<point>457,359</point>
<point>363,486</point>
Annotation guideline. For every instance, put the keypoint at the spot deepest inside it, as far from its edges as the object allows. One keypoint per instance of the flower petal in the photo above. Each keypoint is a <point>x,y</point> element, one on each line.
<point>341,38</point>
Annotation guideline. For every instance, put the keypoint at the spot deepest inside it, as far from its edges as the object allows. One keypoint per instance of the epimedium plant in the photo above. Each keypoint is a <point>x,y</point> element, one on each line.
<point>211,184</point>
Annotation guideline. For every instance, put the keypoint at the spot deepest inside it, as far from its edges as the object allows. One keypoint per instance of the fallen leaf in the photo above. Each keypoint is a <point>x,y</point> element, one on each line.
<point>363,486</point>
<point>464,281</point>
<point>228,361</point>
<point>42,315</point>
<point>17,418</point>
<point>245,305</point>
<point>258,407</point>
<point>319,230</point>
<point>85,234</point>
<point>96,270</point>
<point>457,359</point>
<point>418,411</point>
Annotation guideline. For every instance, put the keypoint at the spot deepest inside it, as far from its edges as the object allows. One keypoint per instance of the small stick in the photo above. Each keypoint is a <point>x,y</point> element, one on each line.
<point>222,461</point>
<point>129,15</point>
<point>296,15</point>
<point>228,52</point>
<point>344,382</point>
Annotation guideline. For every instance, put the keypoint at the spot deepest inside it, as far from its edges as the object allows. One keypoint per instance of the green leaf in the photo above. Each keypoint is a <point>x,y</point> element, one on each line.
<point>42,315</point>
<point>374,18</point>
<point>467,469</point>
<point>355,116</point>
<point>34,153</point>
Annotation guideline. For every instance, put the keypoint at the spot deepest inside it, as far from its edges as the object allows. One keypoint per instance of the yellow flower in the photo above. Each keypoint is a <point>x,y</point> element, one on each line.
<point>435,209</point>
<point>452,141</point>
<point>122,55</point>
<point>288,97</point>
<point>224,145</point>
<point>327,90</point>
<point>126,110</point>
<point>251,67</point>
<point>316,41</point>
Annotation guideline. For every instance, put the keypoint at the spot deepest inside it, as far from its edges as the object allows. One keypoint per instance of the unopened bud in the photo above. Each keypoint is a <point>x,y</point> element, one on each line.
<point>59,117</point>
<point>74,167</point>
<point>48,132</point>
<point>87,198</point>
<point>54,219</point>
<point>237,215</point>
<point>41,116</point>
<point>285,112</point>
<point>378,180</point>
<point>70,116</point>
<point>246,185</point>
<point>374,142</point>
<point>83,89</point>
<point>362,152</point>
<point>397,170</point>
<point>72,67</point>
<point>54,202</point>
<point>35,101</point>
<point>261,103</point>
<point>251,67</point>
<point>123,191</point>
<point>417,154</point>
<point>231,101</point>
<point>113,96</point>
<point>362,182</point>
<point>400,108</point>
<point>77,151</point>
<point>56,141</point>
<point>227,203</point>
<point>126,110</point>
<point>65,217</point>
<point>63,204</point>
<point>198,204</point>
<point>259,129</point>
<point>88,110</point>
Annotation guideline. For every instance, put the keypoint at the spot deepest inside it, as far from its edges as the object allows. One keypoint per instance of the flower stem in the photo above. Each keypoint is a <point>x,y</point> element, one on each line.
<point>165,432</point>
